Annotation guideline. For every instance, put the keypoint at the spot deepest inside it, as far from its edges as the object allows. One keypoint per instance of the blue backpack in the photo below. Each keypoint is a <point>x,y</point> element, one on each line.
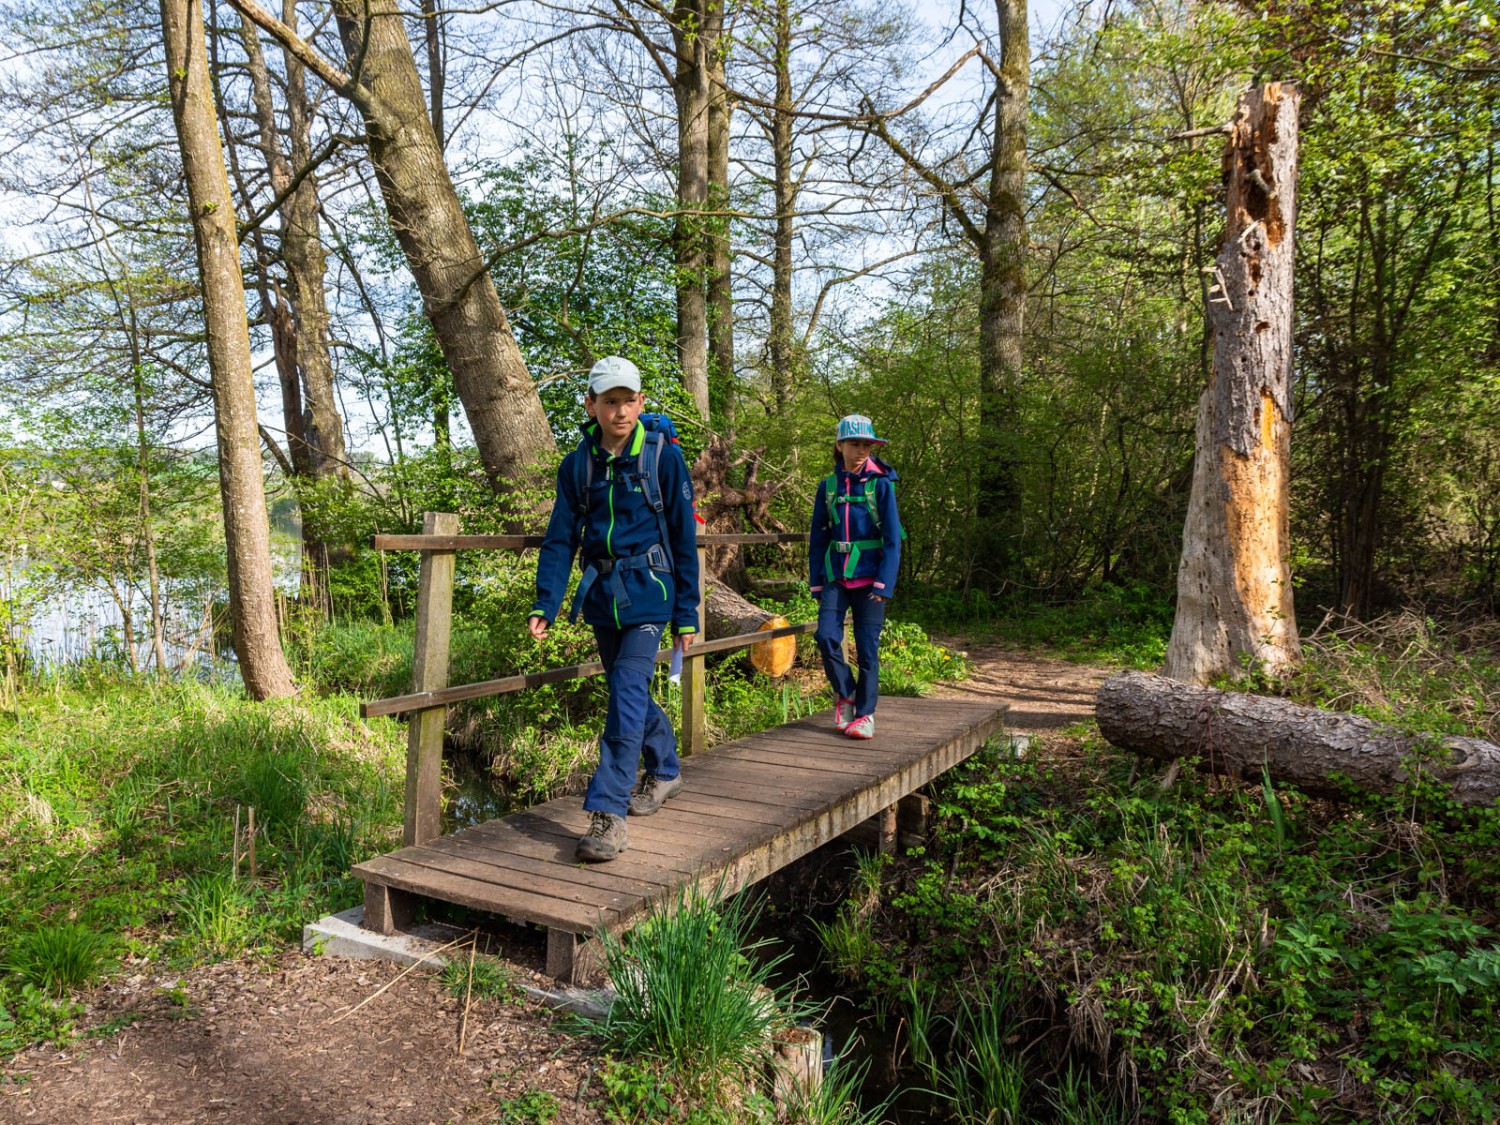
<point>659,431</point>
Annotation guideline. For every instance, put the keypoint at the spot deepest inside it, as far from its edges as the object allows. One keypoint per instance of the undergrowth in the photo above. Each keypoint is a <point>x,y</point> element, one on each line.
<point>118,805</point>
<point>1217,951</point>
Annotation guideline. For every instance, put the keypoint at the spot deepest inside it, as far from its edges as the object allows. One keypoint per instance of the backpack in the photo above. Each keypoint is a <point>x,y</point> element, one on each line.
<point>850,549</point>
<point>659,431</point>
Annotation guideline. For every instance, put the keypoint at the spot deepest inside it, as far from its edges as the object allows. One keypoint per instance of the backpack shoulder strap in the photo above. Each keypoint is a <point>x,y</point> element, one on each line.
<point>651,485</point>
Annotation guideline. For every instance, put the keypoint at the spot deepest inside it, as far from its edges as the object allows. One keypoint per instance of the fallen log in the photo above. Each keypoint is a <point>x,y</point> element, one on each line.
<point>1238,734</point>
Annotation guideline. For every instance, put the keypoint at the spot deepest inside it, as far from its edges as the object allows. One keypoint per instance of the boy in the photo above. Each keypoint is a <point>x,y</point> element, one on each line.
<point>625,500</point>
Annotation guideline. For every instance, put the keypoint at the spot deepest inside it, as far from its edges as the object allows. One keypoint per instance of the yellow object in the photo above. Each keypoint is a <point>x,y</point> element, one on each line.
<point>774,658</point>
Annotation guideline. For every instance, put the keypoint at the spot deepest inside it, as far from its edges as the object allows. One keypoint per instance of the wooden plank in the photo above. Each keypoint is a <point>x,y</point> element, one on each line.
<point>555,845</point>
<point>693,737</point>
<point>387,910</point>
<point>747,809</point>
<point>455,542</point>
<point>505,685</point>
<point>550,880</point>
<point>436,882</point>
<point>423,815</point>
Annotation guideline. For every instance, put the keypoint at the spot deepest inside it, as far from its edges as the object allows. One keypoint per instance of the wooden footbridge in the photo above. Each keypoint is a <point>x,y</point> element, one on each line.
<point>747,808</point>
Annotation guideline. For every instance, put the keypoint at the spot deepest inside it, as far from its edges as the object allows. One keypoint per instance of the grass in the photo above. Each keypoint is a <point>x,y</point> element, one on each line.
<point>1125,625</point>
<point>690,993</point>
<point>118,802</point>
<point>58,957</point>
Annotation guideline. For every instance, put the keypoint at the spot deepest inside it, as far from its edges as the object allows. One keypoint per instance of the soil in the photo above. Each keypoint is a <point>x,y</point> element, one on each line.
<point>263,1042</point>
<point>1043,693</point>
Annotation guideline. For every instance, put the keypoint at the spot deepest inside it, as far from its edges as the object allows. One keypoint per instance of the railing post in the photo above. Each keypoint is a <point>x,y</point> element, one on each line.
<point>424,732</point>
<point>694,720</point>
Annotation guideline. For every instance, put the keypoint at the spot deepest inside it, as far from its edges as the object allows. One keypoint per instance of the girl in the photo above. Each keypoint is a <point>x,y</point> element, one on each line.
<point>853,557</point>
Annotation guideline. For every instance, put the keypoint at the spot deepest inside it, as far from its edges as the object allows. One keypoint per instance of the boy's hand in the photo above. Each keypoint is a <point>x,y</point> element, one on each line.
<point>538,627</point>
<point>682,641</point>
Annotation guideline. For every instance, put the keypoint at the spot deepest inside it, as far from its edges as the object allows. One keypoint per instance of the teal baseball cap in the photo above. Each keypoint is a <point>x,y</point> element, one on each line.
<point>856,427</point>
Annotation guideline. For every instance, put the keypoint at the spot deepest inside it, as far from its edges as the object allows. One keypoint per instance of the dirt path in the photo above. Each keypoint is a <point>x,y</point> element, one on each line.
<point>257,1044</point>
<point>1043,693</point>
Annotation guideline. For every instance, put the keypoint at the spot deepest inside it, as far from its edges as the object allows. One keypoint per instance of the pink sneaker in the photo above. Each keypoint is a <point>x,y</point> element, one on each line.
<point>862,727</point>
<point>843,713</point>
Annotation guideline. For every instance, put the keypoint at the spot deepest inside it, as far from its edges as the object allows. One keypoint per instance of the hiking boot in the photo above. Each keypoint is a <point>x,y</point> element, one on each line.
<point>651,792</point>
<point>843,712</point>
<point>862,727</point>
<point>605,839</point>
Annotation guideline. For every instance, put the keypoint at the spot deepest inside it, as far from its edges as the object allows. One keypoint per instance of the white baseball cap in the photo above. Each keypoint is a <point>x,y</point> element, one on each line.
<point>613,371</point>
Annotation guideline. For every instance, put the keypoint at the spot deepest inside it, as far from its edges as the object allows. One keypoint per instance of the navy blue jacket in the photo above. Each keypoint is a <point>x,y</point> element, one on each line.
<point>620,524</point>
<point>853,523</point>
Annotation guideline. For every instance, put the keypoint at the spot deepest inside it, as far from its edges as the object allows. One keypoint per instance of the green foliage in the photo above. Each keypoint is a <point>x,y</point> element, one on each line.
<point>534,1107</point>
<point>58,957</point>
<point>119,802</point>
<point>1202,941</point>
<point>483,978</point>
<point>29,1015</point>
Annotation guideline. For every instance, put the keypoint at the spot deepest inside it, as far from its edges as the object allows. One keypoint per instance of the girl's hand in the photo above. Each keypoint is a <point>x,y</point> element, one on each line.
<point>879,598</point>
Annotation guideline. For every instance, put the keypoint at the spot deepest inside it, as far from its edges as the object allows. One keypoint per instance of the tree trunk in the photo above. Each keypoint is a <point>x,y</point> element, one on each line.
<point>1234,589</point>
<point>720,280</point>
<point>1002,305</point>
<point>1239,735</point>
<point>252,605</point>
<point>691,20</point>
<point>307,271</point>
<point>489,374</point>
<point>780,343</point>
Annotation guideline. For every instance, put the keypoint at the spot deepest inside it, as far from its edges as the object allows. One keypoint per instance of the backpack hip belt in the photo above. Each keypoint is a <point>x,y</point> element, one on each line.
<point>851,550</point>
<point>655,558</point>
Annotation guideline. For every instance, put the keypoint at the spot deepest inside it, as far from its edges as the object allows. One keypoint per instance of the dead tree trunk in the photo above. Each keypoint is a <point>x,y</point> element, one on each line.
<point>247,532</point>
<point>1234,588</point>
<point>1239,735</point>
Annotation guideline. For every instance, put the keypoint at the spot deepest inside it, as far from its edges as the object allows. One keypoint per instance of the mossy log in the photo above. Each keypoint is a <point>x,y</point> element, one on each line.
<point>1321,752</point>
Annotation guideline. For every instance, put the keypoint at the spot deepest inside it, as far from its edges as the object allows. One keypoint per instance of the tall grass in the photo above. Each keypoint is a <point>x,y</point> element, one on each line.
<point>691,994</point>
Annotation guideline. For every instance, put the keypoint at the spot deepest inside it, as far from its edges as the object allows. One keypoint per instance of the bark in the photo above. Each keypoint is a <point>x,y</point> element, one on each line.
<point>1234,589</point>
<point>728,615</point>
<point>299,317</point>
<point>1239,735</point>
<point>489,373</point>
<point>1002,304</point>
<point>307,270</point>
<point>780,343</point>
<point>694,35</point>
<point>720,280</point>
<point>252,605</point>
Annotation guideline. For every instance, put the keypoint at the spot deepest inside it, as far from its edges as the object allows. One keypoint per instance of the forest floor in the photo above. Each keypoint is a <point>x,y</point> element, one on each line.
<point>257,1042</point>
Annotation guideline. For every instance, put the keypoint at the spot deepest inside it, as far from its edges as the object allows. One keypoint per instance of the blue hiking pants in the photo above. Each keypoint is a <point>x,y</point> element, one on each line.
<point>869,618</point>
<point>635,725</point>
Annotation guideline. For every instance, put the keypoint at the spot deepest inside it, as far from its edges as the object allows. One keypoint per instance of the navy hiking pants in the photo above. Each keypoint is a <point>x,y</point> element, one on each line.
<point>635,725</point>
<point>869,617</point>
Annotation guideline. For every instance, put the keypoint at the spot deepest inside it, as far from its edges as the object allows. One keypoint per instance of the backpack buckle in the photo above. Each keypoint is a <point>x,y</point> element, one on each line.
<point>842,548</point>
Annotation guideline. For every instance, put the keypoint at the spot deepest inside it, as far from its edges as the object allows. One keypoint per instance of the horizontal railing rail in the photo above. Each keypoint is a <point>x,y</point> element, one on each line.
<point>506,685</point>
<point>426,705</point>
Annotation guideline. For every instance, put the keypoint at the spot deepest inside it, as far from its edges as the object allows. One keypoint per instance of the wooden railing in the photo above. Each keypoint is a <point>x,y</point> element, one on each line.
<point>426,706</point>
